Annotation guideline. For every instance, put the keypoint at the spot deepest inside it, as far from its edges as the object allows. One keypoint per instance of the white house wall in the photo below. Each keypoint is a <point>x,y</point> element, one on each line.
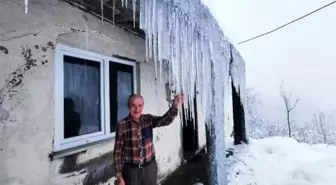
<point>27,111</point>
<point>167,140</point>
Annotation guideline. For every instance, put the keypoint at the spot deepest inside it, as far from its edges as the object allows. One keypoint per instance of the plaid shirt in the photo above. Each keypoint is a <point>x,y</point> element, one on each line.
<point>134,140</point>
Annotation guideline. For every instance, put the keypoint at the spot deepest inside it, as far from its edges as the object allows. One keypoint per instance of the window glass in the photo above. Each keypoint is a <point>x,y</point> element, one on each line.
<point>121,87</point>
<point>125,89</point>
<point>82,101</point>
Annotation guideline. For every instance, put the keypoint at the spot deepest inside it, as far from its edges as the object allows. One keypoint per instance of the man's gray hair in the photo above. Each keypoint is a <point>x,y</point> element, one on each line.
<point>131,97</point>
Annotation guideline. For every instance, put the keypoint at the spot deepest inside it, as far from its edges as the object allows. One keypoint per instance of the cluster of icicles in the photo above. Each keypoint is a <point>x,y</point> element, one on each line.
<point>185,42</point>
<point>183,39</point>
<point>184,33</point>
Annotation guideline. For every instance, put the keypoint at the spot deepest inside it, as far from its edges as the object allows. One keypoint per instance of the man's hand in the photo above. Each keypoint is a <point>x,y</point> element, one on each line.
<point>120,179</point>
<point>178,100</point>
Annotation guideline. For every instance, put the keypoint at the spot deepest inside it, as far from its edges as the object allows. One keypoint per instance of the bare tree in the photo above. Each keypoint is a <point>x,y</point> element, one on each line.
<point>320,124</point>
<point>289,106</point>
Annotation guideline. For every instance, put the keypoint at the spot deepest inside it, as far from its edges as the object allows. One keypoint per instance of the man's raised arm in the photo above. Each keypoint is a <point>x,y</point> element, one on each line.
<point>168,117</point>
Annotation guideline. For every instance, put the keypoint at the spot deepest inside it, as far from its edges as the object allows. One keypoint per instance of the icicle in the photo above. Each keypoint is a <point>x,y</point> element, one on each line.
<point>184,33</point>
<point>147,46</point>
<point>134,11</point>
<point>149,27</point>
<point>155,56</point>
<point>26,6</point>
<point>155,32</point>
<point>113,12</point>
<point>160,39</point>
<point>142,15</point>
<point>122,3</point>
<point>177,49</point>
<point>102,9</point>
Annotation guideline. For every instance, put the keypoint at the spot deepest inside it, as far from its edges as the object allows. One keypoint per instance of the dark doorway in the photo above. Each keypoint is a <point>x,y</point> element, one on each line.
<point>190,131</point>
<point>239,132</point>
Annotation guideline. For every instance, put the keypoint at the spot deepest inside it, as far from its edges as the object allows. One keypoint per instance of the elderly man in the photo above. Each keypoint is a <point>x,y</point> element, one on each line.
<point>134,153</point>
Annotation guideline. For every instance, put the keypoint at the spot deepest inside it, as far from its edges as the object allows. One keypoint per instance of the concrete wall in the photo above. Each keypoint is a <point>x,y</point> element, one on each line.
<point>27,43</point>
<point>167,140</point>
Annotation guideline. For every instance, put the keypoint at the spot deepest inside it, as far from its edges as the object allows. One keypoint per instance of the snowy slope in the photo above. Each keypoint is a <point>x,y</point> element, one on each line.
<point>282,161</point>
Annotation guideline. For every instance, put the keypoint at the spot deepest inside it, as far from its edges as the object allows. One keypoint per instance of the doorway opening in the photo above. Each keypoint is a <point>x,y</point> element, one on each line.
<point>239,132</point>
<point>190,130</point>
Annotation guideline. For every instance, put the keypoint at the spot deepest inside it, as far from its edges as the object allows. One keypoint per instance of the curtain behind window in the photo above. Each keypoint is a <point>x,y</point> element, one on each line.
<point>125,89</point>
<point>121,87</point>
<point>82,102</point>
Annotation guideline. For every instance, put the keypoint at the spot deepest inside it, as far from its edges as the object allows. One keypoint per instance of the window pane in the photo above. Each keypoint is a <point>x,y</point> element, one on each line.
<point>82,114</point>
<point>125,89</point>
<point>121,87</point>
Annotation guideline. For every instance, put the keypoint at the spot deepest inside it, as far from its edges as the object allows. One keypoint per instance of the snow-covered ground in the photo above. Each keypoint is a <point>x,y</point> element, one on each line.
<point>282,161</point>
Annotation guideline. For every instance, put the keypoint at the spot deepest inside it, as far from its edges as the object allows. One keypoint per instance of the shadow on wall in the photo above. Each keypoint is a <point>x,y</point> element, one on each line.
<point>98,170</point>
<point>72,124</point>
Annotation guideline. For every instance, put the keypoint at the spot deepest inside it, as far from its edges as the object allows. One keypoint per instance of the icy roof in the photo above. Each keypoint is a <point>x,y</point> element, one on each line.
<point>113,11</point>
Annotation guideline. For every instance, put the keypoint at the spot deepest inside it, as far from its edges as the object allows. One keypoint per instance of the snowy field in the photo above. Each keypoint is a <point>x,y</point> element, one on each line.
<point>282,161</point>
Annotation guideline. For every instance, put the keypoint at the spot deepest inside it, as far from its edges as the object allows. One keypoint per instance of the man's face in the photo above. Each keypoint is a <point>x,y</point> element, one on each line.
<point>136,107</point>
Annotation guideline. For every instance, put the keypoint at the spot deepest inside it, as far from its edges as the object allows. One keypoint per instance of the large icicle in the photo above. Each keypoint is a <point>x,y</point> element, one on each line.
<point>237,70</point>
<point>134,11</point>
<point>26,6</point>
<point>184,33</point>
<point>102,9</point>
<point>113,13</point>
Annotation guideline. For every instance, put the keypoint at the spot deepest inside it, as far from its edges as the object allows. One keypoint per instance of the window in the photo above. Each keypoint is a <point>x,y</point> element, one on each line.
<point>121,77</point>
<point>91,94</point>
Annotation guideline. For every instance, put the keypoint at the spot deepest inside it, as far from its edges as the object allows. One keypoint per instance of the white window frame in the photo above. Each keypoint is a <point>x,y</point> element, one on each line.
<point>59,142</point>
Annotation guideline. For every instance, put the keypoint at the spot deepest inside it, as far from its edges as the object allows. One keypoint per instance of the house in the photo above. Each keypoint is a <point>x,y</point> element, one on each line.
<point>64,62</point>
